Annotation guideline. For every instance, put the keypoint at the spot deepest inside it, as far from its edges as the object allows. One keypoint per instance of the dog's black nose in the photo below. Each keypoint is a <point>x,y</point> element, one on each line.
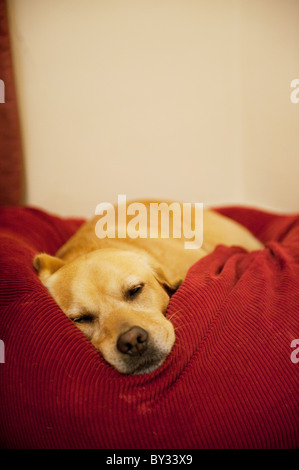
<point>133,342</point>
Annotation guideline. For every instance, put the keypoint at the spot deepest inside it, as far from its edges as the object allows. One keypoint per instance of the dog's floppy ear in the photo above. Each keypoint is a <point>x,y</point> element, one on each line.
<point>46,265</point>
<point>170,286</point>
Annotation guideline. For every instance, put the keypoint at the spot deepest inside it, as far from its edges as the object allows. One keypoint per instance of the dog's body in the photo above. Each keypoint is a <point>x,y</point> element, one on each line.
<point>117,289</point>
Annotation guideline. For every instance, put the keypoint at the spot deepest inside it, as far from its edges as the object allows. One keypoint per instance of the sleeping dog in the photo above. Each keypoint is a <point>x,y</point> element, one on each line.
<point>116,290</point>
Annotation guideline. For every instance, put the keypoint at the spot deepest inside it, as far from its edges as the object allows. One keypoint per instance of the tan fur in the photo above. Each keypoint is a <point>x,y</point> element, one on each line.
<point>90,279</point>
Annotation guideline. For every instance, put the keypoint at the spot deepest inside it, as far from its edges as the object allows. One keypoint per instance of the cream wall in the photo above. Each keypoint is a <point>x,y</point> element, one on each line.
<point>184,99</point>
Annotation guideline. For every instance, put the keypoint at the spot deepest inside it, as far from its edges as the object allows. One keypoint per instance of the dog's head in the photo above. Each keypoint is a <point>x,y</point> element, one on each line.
<point>118,299</point>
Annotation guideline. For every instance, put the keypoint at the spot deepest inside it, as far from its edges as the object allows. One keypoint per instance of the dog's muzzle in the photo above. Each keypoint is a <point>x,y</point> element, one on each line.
<point>139,354</point>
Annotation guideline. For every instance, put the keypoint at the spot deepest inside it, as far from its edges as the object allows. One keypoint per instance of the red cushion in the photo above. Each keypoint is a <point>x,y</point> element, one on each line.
<point>229,381</point>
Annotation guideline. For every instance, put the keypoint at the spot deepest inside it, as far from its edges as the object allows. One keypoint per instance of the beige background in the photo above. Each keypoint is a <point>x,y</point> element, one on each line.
<point>183,99</point>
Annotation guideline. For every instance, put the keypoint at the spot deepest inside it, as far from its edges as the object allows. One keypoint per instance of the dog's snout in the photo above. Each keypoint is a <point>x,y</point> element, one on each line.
<point>133,342</point>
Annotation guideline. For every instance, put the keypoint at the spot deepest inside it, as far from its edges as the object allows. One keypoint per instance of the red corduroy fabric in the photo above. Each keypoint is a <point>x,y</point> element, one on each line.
<point>10,139</point>
<point>228,383</point>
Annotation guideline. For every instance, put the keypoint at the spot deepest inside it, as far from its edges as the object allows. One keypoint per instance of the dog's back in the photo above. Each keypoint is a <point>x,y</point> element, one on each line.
<point>170,252</point>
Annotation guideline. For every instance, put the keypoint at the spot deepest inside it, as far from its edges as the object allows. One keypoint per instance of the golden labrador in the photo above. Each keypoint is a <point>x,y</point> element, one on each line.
<point>116,290</point>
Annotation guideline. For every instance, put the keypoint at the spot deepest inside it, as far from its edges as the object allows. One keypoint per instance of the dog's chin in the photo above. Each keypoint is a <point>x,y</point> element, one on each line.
<point>144,364</point>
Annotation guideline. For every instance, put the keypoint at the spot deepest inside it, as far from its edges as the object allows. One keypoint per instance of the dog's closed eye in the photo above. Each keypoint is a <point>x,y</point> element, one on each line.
<point>88,318</point>
<point>134,291</point>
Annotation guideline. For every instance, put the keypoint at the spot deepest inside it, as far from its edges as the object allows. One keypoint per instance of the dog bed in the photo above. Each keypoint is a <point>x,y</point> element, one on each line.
<point>229,382</point>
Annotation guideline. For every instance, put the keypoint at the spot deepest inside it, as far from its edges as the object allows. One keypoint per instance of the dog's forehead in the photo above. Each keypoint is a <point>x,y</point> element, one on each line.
<point>100,281</point>
<point>114,262</point>
<point>112,269</point>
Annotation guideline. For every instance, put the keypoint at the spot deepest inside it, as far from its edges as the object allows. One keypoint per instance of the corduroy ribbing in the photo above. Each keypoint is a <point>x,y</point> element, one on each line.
<point>229,381</point>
